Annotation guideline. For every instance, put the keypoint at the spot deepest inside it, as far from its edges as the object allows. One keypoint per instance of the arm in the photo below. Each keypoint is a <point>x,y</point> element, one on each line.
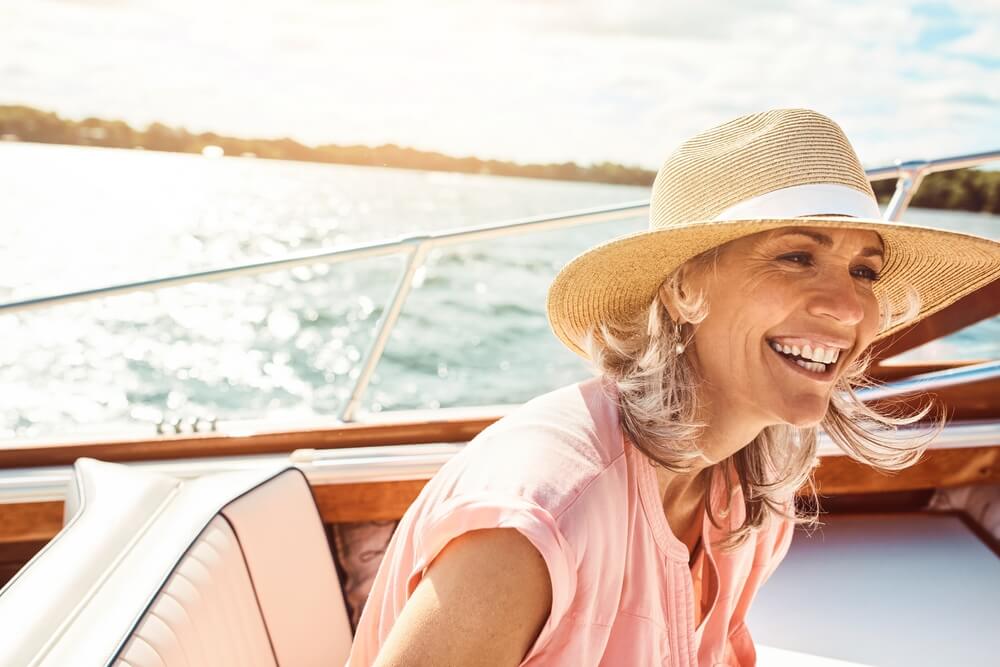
<point>482,602</point>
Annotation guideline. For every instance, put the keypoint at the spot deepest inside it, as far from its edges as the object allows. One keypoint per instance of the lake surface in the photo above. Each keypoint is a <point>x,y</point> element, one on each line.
<point>288,344</point>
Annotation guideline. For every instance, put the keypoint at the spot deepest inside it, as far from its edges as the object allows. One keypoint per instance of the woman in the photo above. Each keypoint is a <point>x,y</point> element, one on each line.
<point>630,519</point>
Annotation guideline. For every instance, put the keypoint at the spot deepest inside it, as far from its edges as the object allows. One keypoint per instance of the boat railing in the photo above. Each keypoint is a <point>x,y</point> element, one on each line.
<point>383,463</point>
<point>950,377</point>
<point>415,249</point>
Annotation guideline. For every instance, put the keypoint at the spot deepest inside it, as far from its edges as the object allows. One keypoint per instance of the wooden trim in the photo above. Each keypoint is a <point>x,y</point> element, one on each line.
<point>372,501</point>
<point>940,468</point>
<point>976,401</point>
<point>991,542</point>
<point>341,436</point>
<point>867,503</point>
<point>14,555</point>
<point>26,522</point>
<point>380,501</point>
<point>975,307</point>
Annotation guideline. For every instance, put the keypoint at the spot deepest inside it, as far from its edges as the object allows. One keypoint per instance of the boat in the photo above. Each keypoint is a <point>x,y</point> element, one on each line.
<point>149,550</point>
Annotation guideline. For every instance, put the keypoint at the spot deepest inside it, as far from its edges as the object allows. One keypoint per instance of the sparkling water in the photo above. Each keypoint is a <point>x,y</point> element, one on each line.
<point>288,345</point>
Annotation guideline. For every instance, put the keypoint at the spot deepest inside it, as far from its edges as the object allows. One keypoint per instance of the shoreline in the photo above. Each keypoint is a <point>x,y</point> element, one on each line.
<point>965,189</point>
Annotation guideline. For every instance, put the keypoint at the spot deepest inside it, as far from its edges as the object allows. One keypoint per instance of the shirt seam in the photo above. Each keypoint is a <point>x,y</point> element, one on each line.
<point>557,516</point>
<point>656,624</point>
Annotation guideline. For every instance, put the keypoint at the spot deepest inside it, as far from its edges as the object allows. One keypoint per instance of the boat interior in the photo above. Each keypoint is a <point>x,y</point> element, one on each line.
<point>255,543</point>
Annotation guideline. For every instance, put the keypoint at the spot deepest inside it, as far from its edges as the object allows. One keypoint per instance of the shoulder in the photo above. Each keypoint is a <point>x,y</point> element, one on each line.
<point>547,451</point>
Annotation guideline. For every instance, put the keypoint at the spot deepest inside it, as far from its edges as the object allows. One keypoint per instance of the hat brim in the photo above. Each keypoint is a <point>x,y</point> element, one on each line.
<point>612,281</point>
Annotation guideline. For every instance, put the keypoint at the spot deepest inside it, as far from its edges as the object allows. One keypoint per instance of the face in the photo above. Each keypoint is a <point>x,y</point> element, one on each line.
<point>791,289</point>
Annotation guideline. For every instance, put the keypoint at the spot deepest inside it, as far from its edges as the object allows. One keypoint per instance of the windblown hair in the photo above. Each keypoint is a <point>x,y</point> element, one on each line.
<point>657,402</point>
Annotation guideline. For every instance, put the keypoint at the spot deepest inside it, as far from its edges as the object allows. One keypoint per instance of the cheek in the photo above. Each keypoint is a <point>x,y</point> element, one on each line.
<point>742,309</point>
<point>728,337</point>
<point>870,325</point>
<point>867,329</point>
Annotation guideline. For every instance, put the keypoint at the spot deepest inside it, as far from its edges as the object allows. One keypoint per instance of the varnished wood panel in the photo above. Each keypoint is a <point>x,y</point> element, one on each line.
<point>375,501</point>
<point>21,522</point>
<point>379,501</point>
<point>14,555</point>
<point>975,401</point>
<point>939,468</point>
<point>26,455</point>
<point>981,304</point>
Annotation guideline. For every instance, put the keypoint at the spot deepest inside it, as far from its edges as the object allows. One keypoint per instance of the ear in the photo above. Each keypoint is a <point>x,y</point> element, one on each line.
<point>667,299</point>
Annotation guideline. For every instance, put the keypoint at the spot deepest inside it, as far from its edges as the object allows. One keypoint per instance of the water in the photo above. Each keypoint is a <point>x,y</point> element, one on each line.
<point>288,344</point>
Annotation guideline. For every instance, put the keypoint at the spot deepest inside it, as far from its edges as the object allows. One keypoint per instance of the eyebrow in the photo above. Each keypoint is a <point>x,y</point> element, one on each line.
<point>827,242</point>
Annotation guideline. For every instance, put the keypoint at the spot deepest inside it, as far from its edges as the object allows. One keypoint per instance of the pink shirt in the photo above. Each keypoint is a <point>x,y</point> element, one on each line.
<point>560,470</point>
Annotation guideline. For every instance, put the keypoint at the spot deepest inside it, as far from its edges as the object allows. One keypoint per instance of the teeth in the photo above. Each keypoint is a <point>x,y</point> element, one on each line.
<point>818,354</point>
<point>811,366</point>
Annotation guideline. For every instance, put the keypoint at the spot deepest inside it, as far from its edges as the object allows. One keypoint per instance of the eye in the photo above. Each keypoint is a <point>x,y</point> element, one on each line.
<point>805,259</point>
<point>794,257</point>
<point>871,275</point>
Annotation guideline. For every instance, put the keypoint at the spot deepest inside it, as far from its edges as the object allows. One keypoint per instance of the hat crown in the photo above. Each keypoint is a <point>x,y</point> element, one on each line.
<point>749,157</point>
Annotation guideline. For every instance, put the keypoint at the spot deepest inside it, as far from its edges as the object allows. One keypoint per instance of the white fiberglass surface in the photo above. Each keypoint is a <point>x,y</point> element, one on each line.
<point>885,589</point>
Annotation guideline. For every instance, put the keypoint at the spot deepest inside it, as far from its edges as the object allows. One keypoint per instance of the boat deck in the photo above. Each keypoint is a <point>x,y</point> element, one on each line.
<point>885,589</point>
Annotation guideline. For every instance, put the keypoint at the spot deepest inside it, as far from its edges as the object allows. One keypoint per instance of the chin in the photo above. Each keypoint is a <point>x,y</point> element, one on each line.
<point>806,422</point>
<point>804,418</point>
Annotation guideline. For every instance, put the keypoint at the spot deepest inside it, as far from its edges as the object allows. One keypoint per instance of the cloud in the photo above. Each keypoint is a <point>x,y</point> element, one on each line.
<point>531,81</point>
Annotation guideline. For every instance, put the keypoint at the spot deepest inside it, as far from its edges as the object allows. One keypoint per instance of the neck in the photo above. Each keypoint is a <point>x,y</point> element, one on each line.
<point>682,491</point>
<point>726,431</point>
<point>725,434</point>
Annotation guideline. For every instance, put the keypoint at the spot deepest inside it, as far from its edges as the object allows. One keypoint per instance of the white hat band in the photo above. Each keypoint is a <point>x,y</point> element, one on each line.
<point>800,200</point>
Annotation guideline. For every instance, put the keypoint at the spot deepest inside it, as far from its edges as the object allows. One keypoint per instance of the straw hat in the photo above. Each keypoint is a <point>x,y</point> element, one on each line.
<point>752,174</point>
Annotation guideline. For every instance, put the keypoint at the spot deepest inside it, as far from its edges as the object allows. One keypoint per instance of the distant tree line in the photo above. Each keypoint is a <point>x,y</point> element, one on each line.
<point>968,190</point>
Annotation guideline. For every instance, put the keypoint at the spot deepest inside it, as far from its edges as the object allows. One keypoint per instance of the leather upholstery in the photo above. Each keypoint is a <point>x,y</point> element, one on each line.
<point>289,558</point>
<point>207,612</point>
<point>225,569</point>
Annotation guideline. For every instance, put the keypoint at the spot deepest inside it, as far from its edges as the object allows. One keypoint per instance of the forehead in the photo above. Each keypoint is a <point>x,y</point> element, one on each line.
<point>868,243</point>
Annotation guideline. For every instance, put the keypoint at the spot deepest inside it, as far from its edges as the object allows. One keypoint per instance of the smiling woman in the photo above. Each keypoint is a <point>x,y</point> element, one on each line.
<point>807,292</point>
<point>649,504</point>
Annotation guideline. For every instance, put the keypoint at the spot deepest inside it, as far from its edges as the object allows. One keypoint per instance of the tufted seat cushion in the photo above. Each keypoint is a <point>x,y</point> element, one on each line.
<point>206,613</point>
<point>150,570</point>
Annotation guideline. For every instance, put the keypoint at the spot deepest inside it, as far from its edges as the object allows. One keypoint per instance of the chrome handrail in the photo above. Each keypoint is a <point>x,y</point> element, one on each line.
<point>950,377</point>
<point>909,176</point>
<point>400,245</point>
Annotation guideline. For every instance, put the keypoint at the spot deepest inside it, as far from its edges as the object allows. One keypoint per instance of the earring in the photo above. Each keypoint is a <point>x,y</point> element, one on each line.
<point>679,348</point>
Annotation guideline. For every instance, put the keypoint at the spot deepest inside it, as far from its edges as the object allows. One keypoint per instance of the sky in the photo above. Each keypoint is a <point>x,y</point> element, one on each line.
<point>527,80</point>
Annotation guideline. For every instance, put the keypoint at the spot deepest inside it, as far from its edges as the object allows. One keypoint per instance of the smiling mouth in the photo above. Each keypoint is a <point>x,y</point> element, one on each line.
<point>806,367</point>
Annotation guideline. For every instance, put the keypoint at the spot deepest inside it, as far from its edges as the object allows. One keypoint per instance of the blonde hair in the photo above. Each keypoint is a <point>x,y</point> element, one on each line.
<point>657,401</point>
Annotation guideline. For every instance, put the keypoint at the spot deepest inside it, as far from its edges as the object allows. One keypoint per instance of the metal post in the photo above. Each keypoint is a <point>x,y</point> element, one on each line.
<point>910,176</point>
<point>385,325</point>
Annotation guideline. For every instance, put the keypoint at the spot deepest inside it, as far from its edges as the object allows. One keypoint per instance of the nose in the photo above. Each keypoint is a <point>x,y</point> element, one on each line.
<point>837,297</point>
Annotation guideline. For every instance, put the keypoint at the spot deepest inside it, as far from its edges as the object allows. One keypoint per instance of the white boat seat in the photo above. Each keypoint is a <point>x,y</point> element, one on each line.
<point>227,569</point>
